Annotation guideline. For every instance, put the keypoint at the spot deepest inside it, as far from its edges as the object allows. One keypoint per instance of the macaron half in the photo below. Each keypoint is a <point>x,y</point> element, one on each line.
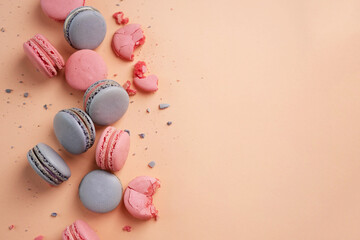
<point>106,102</point>
<point>43,55</point>
<point>75,130</point>
<point>100,191</point>
<point>112,149</point>
<point>84,28</point>
<point>79,230</point>
<point>48,164</point>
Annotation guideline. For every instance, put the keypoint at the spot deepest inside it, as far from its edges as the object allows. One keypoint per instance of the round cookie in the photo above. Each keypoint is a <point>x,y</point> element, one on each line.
<point>83,68</point>
<point>59,9</point>
<point>100,191</point>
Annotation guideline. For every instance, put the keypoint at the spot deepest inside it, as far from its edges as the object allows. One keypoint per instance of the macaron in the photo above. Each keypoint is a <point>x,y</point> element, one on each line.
<point>48,164</point>
<point>106,102</point>
<point>79,230</point>
<point>126,39</point>
<point>59,9</point>
<point>83,68</point>
<point>43,55</point>
<point>75,130</point>
<point>100,191</point>
<point>138,197</point>
<point>84,28</point>
<point>142,82</point>
<point>112,149</point>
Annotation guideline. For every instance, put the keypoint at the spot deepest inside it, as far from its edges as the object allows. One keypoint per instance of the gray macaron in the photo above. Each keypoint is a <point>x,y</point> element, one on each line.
<point>100,191</point>
<point>75,130</point>
<point>84,28</point>
<point>106,102</point>
<point>48,164</point>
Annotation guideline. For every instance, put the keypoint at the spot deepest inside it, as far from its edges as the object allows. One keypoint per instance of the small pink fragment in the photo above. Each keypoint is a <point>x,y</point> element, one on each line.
<point>140,69</point>
<point>127,86</point>
<point>11,227</point>
<point>39,238</point>
<point>127,228</point>
<point>119,17</point>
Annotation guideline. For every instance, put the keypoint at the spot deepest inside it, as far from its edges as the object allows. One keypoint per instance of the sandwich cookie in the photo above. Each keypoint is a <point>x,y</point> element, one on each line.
<point>138,198</point>
<point>100,191</point>
<point>84,28</point>
<point>59,9</point>
<point>75,130</point>
<point>83,68</point>
<point>106,102</point>
<point>48,164</point>
<point>79,230</point>
<point>43,55</point>
<point>112,149</point>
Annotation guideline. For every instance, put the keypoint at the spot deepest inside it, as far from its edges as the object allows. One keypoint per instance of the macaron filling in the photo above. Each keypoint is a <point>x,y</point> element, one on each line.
<point>50,51</point>
<point>110,149</point>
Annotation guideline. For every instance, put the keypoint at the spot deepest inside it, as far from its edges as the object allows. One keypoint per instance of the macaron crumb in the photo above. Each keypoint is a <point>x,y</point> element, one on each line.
<point>8,90</point>
<point>127,131</point>
<point>127,86</point>
<point>169,123</point>
<point>20,126</point>
<point>148,110</point>
<point>45,107</point>
<point>40,237</point>
<point>127,228</point>
<point>11,227</point>
<point>163,105</point>
<point>54,214</point>
<point>3,29</point>
<point>151,164</point>
<point>142,135</point>
<point>119,18</point>
<point>26,95</point>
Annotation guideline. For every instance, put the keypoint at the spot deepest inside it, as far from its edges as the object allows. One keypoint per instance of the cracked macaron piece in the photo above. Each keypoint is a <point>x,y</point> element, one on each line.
<point>143,83</point>
<point>106,102</point>
<point>138,197</point>
<point>75,130</point>
<point>48,164</point>
<point>43,55</point>
<point>100,191</point>
<point>83,68</point>
<point>79,230</point>
<point>59,9</point>
<point>84,28</point>
<point>112,149</point>
<point>126,39</point>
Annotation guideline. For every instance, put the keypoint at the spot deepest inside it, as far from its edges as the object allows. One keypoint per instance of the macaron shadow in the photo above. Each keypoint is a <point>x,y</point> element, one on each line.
<point>29,70</point>
<point>35,181</point>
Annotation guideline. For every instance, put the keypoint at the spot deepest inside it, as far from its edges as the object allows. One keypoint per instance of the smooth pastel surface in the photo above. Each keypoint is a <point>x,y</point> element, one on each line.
<point>85,28</point>
<point>147,84</point>
<point>75,134</point>
<point>100,191</point>
<point>276,82</point>
<point>43,55</point>
<point>112,149</point>
<point>105,103</point>
<point>48,164</point>
<point>83,68</point>
<point>59,9</point>
<point>79,230</point>
<point>126,39</point>
<point>138,197</point>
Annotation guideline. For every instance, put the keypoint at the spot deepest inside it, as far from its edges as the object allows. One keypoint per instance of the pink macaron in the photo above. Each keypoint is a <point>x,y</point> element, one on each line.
<point>83,68</point>
<point>138,197</point>
<point>112,149</point>
<point>59,9</point>
<point>142,82</point>
<point>43,55</point>
<point>79,230</point>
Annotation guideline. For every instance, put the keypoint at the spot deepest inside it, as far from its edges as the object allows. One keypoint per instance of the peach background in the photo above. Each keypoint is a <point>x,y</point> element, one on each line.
<point>265,105</point>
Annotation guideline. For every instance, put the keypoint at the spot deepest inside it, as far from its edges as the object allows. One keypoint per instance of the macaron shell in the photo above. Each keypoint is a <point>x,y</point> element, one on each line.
<point>50,50</point>
<point>85,231</point>
<point>86,30</point>
<point>145,185</point>
<point>83,68</point>
<point>59,9</point>
<point>103,142</point>
<point>120,152</point>
<point>37,170</point>
<point>39,59</point>
<point>108,105</point>
<point>147,84</point>
<point>139,205</point>
<point>69,133</point>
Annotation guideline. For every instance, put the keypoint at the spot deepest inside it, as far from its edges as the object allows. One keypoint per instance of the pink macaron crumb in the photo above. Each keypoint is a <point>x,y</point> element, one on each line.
<point>140,69</point>
<point>127,228</point>
<point>127,87</point>
<point>119,18</point>
<point>39,238</point>
<point>11,227</point>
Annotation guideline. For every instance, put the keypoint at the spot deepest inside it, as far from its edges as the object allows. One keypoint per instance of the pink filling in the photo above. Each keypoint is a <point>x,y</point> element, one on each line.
<point>119,17</point>
<point>127,86</point>
<point>110,149</point>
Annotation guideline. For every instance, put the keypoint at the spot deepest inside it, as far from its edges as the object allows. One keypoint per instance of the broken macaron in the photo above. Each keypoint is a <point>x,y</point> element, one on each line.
<point>43,55</point>
<point>112,149</point>
<point>126,40</point>
<point>138,197</point>
<point>143,83</point>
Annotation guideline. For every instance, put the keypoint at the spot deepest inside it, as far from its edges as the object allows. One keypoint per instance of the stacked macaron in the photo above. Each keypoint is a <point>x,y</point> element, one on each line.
<point>105,101</point>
